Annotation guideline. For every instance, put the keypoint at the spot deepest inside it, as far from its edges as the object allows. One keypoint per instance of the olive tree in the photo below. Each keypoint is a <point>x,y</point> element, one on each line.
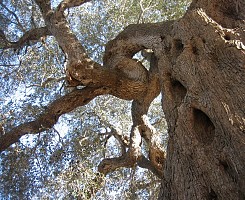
<point>196,62</point>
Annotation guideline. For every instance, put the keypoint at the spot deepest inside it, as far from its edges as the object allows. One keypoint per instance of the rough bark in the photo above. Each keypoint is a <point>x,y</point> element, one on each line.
<point>198,63</point>
<point>202,69</point>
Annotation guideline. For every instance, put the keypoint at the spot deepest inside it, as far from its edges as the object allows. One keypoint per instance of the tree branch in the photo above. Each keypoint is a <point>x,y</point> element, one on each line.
<point>132,158</point>
<point>15,16</point>
<point>46,120</point>
<point>143,162</point>
<point>133,39</point>
<point>111,164</point>
<point>126,160</point>
<point>77,57</point>
<point>66,4</point>
<point>141,127</point>
<point>124,140</point>
<point>44,5</point>
<point>127,78</point>
<point>29,37</point>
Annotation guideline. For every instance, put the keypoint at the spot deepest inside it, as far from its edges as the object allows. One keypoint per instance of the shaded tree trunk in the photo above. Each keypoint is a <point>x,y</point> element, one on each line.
<point>202,68</point>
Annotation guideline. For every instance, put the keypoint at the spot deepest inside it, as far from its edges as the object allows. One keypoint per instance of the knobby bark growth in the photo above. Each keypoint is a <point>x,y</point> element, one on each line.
<point>198,63</point>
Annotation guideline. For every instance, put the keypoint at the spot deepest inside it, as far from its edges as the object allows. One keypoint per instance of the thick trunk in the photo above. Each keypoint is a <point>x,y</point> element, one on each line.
<point>202,69</point>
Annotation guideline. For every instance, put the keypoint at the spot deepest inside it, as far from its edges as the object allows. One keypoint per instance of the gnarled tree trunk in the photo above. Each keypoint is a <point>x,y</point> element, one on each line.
<point>202,69</point>
<point>199,62</point>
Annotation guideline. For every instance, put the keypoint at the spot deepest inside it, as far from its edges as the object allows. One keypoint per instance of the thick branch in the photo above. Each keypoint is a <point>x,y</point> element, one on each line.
<point>119,53</point>
<point>127,78</point>
<point>111,164</point>
<point>142,127</point>
<point>135,38</point>
<point>143,162</point>
<point>79,65</point>
<point>139,115</point>
<point>46,120</point>
<point>59,27</point>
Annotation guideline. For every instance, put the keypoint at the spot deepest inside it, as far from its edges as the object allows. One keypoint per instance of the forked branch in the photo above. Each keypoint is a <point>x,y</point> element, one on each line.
<point>141,129</point>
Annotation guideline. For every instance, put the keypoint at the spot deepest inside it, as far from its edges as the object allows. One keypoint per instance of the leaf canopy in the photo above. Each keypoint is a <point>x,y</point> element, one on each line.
<point>61,163</point>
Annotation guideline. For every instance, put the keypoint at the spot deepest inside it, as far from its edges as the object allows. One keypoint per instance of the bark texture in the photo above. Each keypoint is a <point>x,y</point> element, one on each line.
<point>197,62</point>
<point>202,69</point>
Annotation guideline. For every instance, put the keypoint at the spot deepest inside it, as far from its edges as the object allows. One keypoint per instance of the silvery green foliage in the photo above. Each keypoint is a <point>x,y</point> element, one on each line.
<point>61,163</point>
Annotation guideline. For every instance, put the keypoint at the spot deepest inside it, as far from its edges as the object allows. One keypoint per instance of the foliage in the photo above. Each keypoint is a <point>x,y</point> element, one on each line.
<point>62,161</point>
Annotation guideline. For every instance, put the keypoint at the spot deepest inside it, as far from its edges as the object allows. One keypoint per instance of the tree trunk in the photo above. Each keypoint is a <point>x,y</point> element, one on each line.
<point>201,65</point>
<point>202,69</point>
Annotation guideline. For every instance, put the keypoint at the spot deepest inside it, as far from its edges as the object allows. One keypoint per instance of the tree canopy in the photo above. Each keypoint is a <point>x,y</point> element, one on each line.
<point>83,84</point>
<point>56,127</point>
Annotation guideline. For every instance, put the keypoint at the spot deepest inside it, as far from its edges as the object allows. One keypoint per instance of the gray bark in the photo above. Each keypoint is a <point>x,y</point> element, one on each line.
<point>203,82</point>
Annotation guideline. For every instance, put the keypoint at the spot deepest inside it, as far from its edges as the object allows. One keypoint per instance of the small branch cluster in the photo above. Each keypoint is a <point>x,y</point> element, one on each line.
<point>132,155</point>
